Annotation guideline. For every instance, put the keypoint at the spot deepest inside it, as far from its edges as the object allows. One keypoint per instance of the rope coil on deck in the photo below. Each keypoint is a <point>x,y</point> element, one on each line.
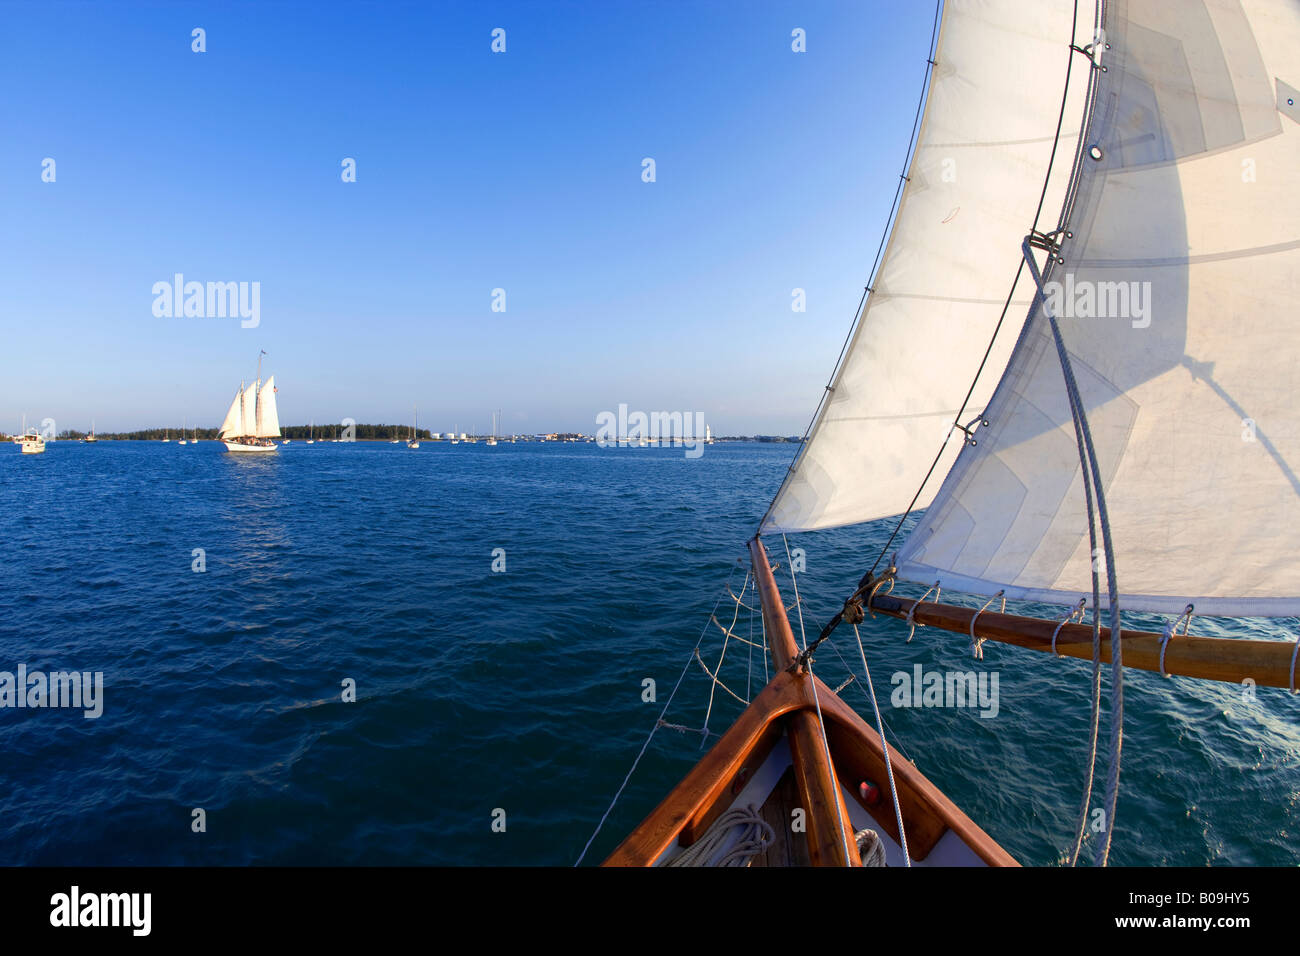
<point>713,849</point>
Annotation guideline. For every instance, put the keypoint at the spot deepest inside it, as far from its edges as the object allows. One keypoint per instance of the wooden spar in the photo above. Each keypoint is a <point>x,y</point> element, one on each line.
<point>1267,663</point>
<point>829,827</point>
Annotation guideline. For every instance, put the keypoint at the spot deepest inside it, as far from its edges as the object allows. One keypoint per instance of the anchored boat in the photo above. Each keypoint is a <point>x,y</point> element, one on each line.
<point>252,420</point>
<point>1074,354</point>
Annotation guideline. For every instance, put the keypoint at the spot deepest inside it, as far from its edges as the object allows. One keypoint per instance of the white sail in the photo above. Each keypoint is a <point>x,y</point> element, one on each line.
<point>233,423</point>
<point>247,427</point>
<point>1187,239</point>
<point>973,188</point>
<point>268,425</point>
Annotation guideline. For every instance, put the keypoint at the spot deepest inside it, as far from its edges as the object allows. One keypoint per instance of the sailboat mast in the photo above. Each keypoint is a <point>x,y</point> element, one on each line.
<point>257,397</point>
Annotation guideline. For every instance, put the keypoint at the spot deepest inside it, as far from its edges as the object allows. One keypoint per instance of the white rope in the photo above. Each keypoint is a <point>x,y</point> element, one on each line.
<point>884,746</point>
<point>749,675</point>
<point>683,729</point>
<point>732,635</point>
<point>826,747</point>
<point>650,736</point>
<point>720,847</point>
<point>716,684</point>
<point>740,602</point>
<point>911,624</point>
<point>977,643</point>
<point>1170,628</point>
<point>1079,610</point>
<point>713,617</point>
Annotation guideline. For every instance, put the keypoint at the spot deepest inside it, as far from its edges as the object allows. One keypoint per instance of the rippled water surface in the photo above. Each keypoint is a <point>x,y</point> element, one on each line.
<point>519,691</point>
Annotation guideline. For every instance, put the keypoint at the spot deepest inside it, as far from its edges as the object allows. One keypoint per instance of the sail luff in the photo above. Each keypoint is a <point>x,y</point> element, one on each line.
<point>233,423</point>
<point>972,188</point>
<point>246,426</point>
<point>268,424</point>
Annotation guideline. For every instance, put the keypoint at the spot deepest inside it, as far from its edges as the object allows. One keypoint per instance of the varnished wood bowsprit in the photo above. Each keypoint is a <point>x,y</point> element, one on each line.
<point>787,706</point>
<point>830,832</point>
<point>1267,663</point>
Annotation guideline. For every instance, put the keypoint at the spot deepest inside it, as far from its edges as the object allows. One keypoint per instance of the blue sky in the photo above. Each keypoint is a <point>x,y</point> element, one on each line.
<point>475,171</point>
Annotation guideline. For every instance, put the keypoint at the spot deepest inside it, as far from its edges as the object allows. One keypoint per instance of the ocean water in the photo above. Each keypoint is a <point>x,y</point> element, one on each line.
<point>510,696</point>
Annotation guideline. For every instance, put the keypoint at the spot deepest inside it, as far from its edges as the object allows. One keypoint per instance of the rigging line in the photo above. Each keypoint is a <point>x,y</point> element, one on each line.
<point>1065,95</point>
<point>880,248</point>
<point>1112,585</point>
<point>725,641</point>
<point>1010,294</point>
<point>821,724</point>
<point>663,713</point>
<point>749,678</point>
<point>884,746</point>
<point>1094,718</point>
<point>729,633</point>
<point>898,742</point>
<point>716,684</point>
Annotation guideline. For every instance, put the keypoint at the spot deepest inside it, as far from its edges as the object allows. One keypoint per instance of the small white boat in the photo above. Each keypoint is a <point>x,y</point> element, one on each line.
<point>32,443</point>
<point>251,423</point>
<point>91,437</point>
<point>182,439</point>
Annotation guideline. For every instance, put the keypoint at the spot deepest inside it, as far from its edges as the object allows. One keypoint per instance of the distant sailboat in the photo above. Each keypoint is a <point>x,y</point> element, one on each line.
<point>166,436</point>
<point>184,424</point>
<point>311,433</point>
<point>414,440</point>
<point>493,439</point>
<point>252,420</point>
<point>91,437</point>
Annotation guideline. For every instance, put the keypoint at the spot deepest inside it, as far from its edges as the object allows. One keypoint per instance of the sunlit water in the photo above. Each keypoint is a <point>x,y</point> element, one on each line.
<point>516,691</point>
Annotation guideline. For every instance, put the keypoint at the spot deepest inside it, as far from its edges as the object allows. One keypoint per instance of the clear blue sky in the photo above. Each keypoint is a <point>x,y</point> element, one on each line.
<point>475,171</point>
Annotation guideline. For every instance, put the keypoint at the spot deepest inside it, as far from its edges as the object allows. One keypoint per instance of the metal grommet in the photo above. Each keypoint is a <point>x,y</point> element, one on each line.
<point>1095,152</point>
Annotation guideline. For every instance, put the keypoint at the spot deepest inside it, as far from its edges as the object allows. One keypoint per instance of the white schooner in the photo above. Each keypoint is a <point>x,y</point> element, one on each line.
<point>252,420</point>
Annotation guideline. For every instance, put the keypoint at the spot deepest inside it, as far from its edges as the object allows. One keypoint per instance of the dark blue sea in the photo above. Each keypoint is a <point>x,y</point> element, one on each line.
<point>480,691</point>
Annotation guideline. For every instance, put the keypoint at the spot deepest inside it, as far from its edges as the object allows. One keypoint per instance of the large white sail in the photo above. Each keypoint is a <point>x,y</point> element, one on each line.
<point>268,417</point>
<point>973,189</point>
<point>1176,301</point>
<point>233,422</point>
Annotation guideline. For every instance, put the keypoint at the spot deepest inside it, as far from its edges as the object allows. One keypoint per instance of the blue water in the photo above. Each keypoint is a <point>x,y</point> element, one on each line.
<point>518,691</point>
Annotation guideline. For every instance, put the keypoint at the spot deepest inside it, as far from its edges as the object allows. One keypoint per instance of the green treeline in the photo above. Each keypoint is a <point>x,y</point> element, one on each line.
<point>294,432</point>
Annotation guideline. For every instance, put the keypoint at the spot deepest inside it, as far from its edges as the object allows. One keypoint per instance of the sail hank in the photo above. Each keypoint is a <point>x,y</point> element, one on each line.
<point>973,188</point>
